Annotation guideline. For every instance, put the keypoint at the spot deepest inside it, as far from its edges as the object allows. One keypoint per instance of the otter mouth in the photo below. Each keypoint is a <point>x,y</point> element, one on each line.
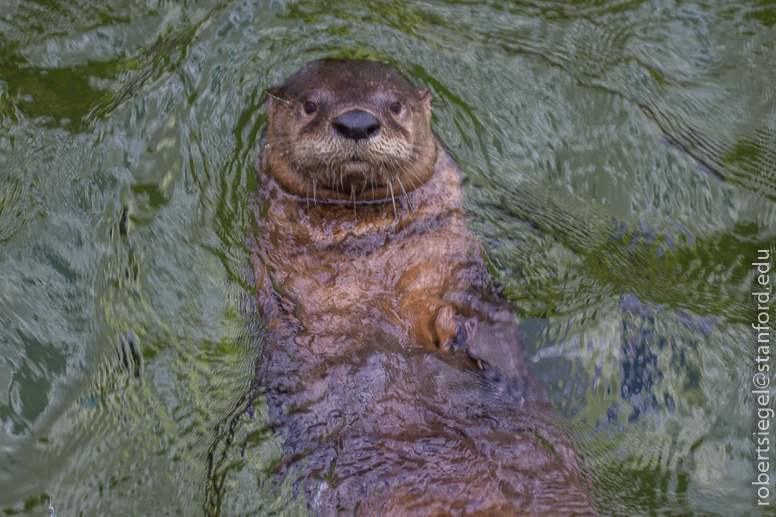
<point>354,165</point>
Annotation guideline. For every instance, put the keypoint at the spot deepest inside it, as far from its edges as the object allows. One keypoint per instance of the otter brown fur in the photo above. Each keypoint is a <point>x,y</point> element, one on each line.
<point>393,370</point>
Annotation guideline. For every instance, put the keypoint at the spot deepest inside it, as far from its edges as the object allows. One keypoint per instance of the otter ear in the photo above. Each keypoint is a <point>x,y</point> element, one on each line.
<point>425,97</point>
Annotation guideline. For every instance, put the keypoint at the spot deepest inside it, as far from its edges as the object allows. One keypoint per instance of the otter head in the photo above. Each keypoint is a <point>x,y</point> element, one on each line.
<point>349,130</point>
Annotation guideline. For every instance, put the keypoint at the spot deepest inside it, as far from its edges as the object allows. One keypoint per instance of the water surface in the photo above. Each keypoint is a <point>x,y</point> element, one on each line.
<point>619,160</point>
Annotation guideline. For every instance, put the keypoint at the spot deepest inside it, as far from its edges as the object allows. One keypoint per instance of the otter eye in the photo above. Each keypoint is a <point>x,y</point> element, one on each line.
<point>396,107</point>
<point>310,107</point>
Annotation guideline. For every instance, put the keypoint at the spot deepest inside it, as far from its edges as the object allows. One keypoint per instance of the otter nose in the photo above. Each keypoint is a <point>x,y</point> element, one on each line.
<point>356,124</point>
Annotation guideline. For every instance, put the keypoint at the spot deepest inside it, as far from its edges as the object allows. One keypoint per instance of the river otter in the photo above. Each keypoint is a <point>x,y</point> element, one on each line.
<point>393,370</point>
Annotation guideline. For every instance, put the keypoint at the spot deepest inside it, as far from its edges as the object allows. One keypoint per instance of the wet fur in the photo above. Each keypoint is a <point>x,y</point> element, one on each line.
<point>393,371</point>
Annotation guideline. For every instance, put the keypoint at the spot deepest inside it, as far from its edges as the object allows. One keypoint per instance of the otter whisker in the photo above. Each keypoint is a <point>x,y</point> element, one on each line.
<point>406,197</point>
<point>315,200</point>
<point>278,98</point>
<point>393,200</point>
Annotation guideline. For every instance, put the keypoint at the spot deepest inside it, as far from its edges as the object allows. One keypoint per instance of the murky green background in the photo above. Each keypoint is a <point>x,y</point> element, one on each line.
<point>619,160</point>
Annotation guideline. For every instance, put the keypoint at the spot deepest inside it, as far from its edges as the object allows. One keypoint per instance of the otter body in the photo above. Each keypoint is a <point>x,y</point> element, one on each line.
<point>392,369</point>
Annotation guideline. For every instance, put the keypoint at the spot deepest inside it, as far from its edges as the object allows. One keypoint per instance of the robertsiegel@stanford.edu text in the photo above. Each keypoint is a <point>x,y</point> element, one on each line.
<point>761,379</point>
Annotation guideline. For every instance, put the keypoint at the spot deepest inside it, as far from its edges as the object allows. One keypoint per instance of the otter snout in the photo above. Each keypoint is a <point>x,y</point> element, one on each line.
<point>356,124</point>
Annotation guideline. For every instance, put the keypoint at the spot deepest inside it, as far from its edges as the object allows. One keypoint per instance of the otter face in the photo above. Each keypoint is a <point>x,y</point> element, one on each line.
<point>349,130</point>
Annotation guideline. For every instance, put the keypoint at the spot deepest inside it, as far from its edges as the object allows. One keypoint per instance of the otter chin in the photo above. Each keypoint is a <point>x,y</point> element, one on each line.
<point>392,368</point>
<point>349,130</point>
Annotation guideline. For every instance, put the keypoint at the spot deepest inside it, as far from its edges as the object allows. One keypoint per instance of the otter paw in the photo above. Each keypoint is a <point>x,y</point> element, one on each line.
<point>445,327</point>
<point>494,343</point>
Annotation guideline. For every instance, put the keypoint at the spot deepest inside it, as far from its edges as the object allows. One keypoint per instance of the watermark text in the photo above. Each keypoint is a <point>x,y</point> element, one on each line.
<point>761,291</point>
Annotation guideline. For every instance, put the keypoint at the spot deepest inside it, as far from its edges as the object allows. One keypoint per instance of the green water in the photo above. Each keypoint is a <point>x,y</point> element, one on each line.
<point>619,160</point>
